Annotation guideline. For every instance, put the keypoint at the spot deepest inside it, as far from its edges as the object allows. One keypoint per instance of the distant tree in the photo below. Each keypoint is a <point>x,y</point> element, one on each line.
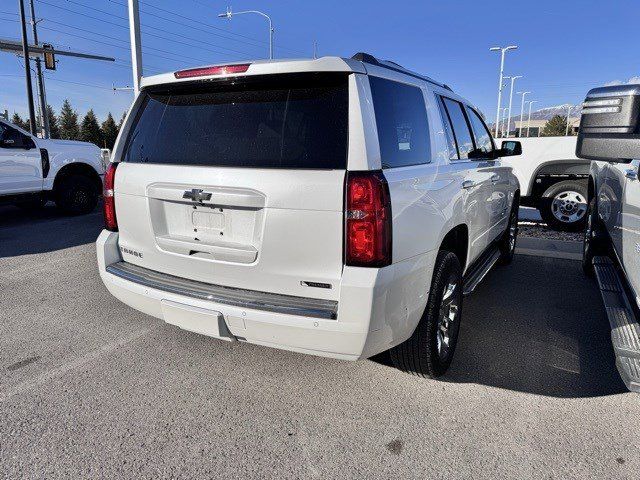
<point>18,121</point>
<point>124,115</point>
<point>54,128</point>
<point>109,132</point>
<point>69,129</point>
<point>556,127</point>
<point>90,129</point>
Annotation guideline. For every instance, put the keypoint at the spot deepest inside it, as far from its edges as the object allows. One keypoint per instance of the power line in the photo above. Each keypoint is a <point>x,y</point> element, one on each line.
<point>126,27</point>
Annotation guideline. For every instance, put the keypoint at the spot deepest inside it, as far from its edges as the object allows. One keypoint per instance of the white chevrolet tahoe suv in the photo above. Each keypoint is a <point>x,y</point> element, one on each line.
<point>34,170</point>
<point>337,207</point>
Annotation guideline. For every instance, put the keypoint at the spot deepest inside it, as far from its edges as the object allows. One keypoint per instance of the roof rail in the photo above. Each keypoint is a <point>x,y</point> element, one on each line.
<point>368,58</point>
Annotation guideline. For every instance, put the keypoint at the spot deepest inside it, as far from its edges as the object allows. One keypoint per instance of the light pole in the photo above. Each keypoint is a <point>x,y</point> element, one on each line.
<point>566,132</point>
<point>228,14</point>
<point>529,119</point>
<point>513,80</point>
<point>136,43</point>
<point>502,53</point>
<point>522,110</point>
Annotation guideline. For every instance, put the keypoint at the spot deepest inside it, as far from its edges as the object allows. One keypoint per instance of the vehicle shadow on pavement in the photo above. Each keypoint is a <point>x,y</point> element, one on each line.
<point>537,326</point>
<point>47,230</point>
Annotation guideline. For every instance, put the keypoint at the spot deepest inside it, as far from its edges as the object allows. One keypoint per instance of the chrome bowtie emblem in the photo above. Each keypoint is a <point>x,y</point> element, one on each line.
<point>197,195</point>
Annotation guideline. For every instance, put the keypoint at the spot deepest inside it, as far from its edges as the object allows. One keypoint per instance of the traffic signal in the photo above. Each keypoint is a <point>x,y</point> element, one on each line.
<point>49,57</point>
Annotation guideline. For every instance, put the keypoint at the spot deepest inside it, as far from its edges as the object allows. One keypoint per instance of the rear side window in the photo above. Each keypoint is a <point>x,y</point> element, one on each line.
<point>276,121</point>
<point>484,144</point>
<point>460,127</point>
<point>446,123</point>
<point>401,119</point>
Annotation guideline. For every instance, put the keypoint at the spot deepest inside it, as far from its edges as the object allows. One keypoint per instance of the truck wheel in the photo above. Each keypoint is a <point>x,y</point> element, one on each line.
<point>594,242</point>
<point>429,351</point>
<point>76,195</point>
<point>507,243</point>
<point>563,206</point>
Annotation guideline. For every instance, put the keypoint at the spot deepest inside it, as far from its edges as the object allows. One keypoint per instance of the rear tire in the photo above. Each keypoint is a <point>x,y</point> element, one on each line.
<point>563,206</point>
<point>507,243</point>
<point>429,351</point>
<point>594,242</point>
<point>76,195</point>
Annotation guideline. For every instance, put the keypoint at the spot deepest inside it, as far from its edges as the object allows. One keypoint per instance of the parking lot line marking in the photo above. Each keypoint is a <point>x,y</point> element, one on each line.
<point>61,370</point>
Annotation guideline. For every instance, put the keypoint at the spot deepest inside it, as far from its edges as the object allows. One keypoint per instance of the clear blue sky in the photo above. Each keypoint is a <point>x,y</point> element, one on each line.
<point>565,47</point>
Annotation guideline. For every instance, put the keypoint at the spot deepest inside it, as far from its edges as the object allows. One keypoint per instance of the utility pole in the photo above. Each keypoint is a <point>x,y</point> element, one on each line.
<point>529,119</point>
<point>39,77</point>
<point>27,68</point>
<point>136,45</point>
<point>522,112</point>
<point>513,80</point>
<point>566,132</point>
<point>502,53</point>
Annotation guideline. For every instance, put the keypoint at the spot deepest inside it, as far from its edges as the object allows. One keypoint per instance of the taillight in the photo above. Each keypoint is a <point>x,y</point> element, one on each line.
<point>368,220</point>
<point>215,70</point>
<point>109,201</point>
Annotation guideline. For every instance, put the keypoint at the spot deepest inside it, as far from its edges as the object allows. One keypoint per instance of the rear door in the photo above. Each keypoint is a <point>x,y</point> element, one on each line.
<point>239,183</point>
<point>475,178</point>
<point>498,198</point>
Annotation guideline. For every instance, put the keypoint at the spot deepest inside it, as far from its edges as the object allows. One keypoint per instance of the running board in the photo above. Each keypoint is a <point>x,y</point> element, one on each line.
<point>625,329</point>
<point>478,271</point>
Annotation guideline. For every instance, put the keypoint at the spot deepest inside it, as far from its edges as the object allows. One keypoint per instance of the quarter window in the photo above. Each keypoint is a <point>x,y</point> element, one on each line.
<point>448,132</point>
<point>484,143</point>
<point>401,119</point>
<point>460,127</point>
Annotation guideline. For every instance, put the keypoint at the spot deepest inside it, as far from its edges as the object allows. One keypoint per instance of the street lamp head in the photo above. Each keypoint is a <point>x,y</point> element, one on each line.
<point>495,49</point>
<point>511,47</point>
<point>227,14</point>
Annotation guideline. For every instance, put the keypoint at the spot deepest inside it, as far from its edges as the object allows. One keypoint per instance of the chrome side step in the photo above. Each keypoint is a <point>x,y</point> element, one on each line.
<point>473,278</point>
<point>625,329</point>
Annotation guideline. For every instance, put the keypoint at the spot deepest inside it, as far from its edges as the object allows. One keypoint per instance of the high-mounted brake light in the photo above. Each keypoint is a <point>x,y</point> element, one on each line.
<point>109,201</point>
<point>367,220</point>
<point>215,70</point>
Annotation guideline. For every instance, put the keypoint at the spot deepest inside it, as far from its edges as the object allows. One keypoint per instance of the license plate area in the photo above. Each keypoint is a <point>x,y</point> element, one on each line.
<point>195,319</point>
<point>213,230</point>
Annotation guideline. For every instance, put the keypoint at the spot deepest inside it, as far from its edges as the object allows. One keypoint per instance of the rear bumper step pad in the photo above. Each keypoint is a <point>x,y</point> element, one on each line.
<point>625,329</point>
<point>237,297</point>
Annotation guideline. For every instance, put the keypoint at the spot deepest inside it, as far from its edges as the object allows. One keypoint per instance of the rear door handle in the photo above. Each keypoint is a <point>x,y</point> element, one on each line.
<point>495,178</point>
<point>467,184</point>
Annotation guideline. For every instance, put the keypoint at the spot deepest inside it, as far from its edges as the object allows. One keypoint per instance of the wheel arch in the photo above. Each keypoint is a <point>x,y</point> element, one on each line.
<point>78,168</point>
<point>457,241</point>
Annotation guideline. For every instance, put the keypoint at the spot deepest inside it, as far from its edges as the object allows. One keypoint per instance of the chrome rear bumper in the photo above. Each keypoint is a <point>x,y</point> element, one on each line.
<point>237,297</point>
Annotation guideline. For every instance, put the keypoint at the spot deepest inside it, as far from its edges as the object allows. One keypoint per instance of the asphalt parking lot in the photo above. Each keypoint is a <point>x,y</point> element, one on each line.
<point>91,388</point>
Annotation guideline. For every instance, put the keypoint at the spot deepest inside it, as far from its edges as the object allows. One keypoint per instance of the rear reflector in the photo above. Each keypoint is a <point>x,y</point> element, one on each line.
<point>109,203</point>
<point>216,70</point>
<point>368,220</point>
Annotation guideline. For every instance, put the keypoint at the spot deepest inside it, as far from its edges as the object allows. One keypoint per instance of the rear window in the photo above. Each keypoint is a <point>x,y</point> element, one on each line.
<point>279,121</point>
<point>401,118</point>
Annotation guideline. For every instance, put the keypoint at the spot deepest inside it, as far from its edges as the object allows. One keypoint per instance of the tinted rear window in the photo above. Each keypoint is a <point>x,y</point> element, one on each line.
<point>401,118</point>
<point>281,121</point>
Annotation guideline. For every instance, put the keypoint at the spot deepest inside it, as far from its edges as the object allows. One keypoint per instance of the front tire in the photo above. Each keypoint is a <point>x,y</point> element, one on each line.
<point>76,195</point>
<point>429,351</point>
<point>594,240</point>
<point>563,206</point>
<point>507,243</point>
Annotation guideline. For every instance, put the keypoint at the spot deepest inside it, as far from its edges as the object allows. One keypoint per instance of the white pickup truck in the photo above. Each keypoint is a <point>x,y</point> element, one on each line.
<point>339,207</point>
<point>34,170</point>
<point>553,180</point>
